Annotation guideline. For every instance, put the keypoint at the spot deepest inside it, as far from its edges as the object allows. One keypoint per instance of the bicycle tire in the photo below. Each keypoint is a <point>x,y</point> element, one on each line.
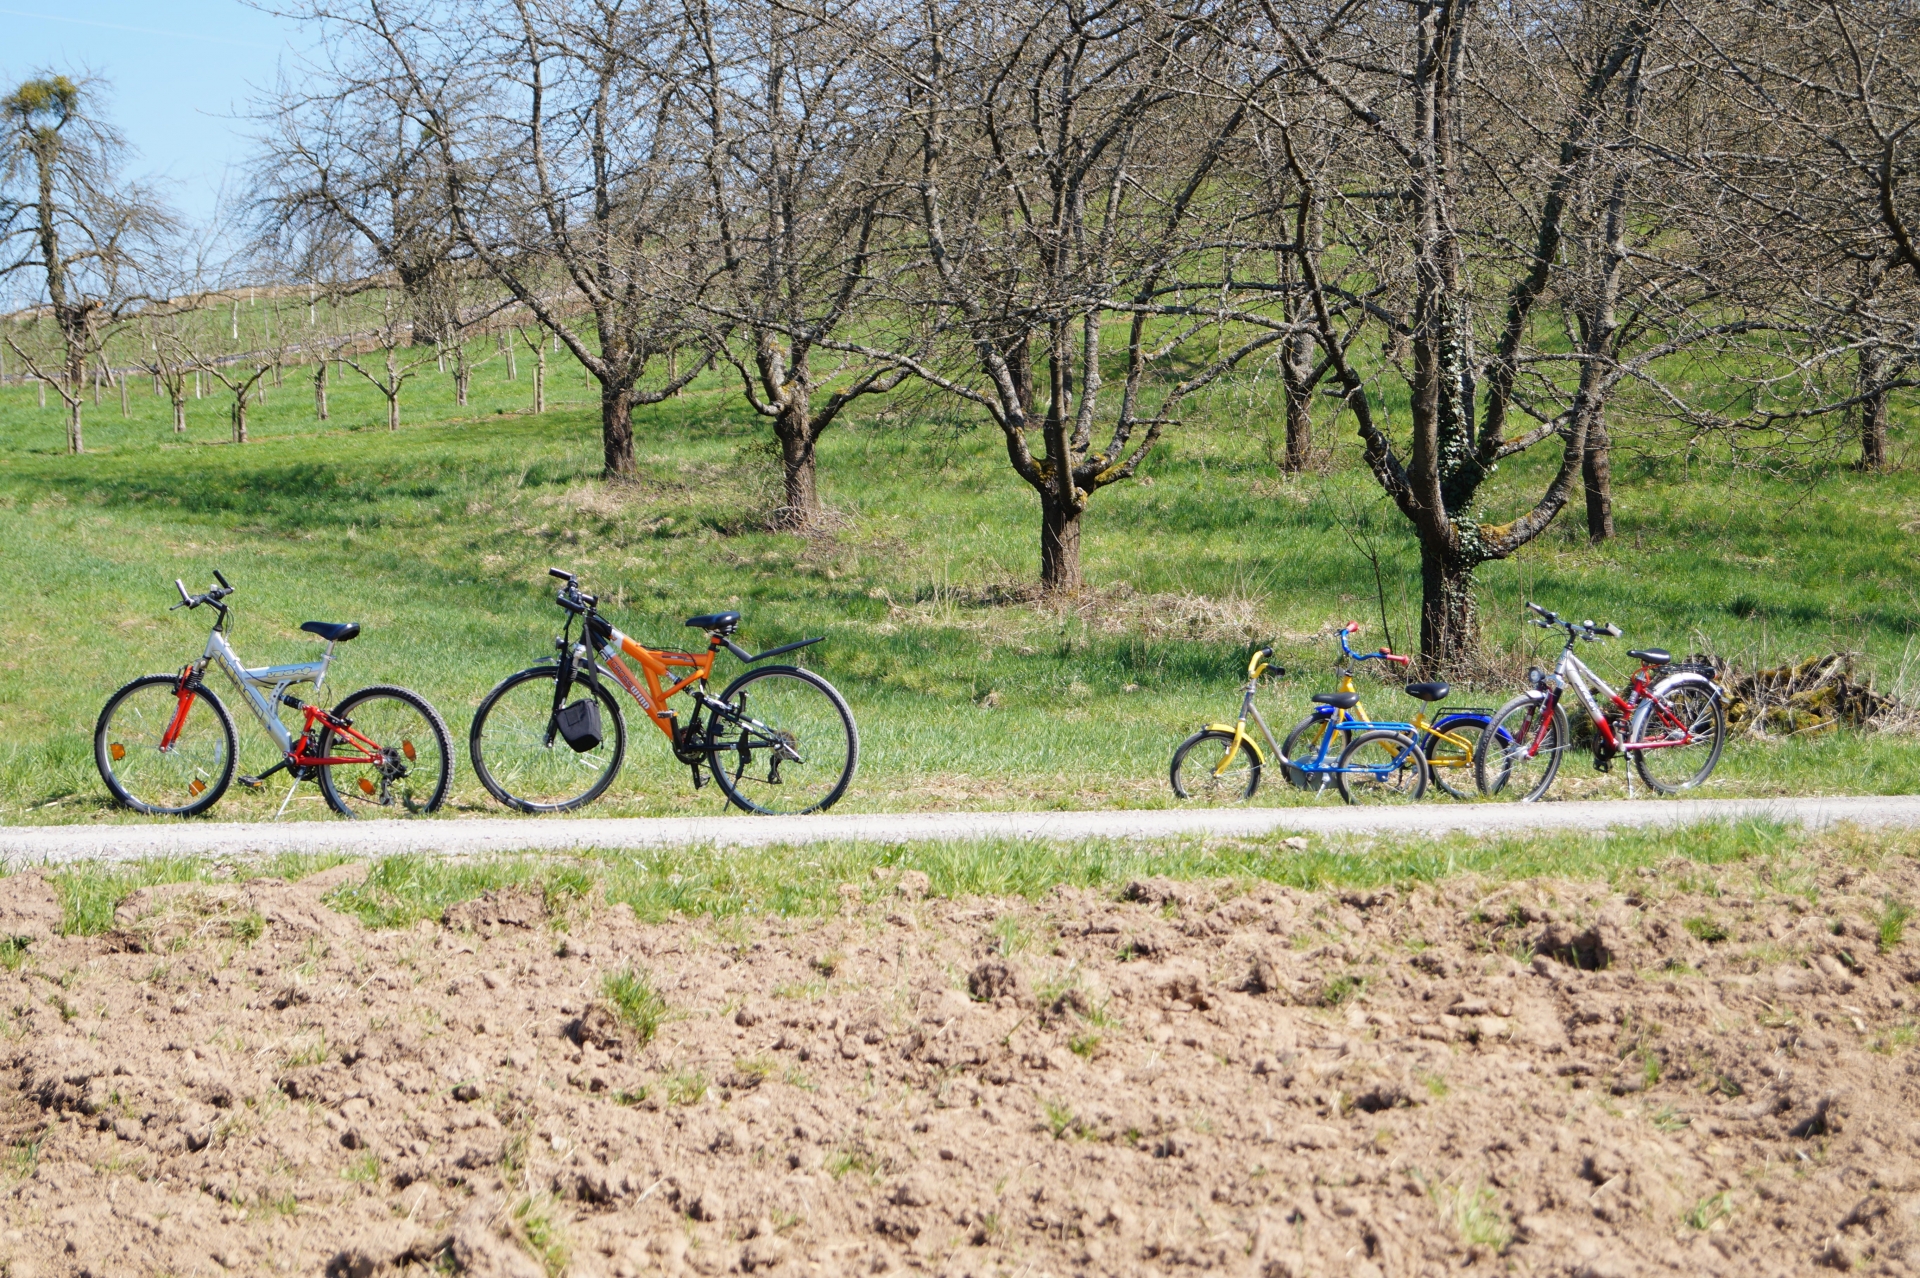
<point>1453,772</point>
<point>414,800</point>
<point>1400,778</point>
<point>1493,774</point>
<point>1314,724</point>
<point>511,792</point>
<point>731,749</point>
<point>1701,700</point>
<point>115,718</point>
<point>1207,785</point>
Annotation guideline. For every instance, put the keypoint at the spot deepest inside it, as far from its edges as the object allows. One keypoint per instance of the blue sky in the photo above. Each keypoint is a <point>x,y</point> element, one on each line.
<point>175,73</point>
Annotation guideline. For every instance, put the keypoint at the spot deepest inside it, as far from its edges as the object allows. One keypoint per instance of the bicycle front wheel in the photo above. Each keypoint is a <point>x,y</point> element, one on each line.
<point>1382,767</point>
<point>163,750</point>
<point>520,756</point>
<point>1519,752</point>
<point>395,759</point>
<point>786,743</point>
<point>1450,757</point>
<point>1208,771</point>
<point>1679,736</point>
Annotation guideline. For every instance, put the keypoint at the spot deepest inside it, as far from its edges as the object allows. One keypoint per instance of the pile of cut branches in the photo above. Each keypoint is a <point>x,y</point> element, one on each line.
<point>1812,696</point>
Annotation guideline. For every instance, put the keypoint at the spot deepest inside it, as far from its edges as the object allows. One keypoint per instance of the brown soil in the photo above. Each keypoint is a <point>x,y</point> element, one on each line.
<point>1711,1073</point>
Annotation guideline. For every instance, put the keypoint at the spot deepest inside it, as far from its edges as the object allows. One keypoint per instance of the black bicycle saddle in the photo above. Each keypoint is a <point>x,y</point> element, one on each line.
<point>1435,691</point>
<point>332,631</point>
<point>723,622</point>
<point>1338,700</point>
<point>1652,656</point>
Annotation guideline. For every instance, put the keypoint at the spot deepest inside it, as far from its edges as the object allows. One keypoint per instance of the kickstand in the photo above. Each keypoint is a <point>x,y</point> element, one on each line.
<point>1629,772</point>
<point>289,799</point>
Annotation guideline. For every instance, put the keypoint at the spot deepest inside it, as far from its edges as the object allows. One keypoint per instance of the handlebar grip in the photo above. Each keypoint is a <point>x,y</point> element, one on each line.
<point>1398,659</point>
<point>1611,629</point>
<point>561,574</point>
<point>1351,628</point>
<point>181,586</point>
<point>224,585</point>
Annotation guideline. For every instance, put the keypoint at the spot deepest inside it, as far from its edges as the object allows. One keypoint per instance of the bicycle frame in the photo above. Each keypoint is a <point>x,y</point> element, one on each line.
<point>265,687</point>
<point>1570,670</point>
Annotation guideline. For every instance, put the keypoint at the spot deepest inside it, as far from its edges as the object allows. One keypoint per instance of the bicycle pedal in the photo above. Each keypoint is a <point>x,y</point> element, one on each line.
<point>252,783</point>
<point>699,781</point>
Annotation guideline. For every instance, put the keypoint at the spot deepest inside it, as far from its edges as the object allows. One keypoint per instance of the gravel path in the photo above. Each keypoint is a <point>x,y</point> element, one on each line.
<point>47,844</point>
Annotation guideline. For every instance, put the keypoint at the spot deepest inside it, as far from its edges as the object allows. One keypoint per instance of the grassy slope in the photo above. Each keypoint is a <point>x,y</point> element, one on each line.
<point>437,540</point>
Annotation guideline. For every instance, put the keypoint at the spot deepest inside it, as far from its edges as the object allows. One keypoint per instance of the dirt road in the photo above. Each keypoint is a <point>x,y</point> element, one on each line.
<point>54,844</point>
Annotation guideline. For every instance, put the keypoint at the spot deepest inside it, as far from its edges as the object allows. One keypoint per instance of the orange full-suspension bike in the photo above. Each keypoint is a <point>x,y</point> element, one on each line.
<point>552,738</point>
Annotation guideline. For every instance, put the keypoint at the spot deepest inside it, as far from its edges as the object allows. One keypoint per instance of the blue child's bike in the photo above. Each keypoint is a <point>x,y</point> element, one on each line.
<point>1368,760</point>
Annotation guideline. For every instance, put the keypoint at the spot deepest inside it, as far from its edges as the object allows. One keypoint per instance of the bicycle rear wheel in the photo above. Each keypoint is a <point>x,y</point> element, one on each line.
<point>148,771</point>
<point>786,744</point>
<point>520,756</point>
<point>1519,752</point>
<point>1686,729</point>
<point>1382,767</point>
<point>401,751</point>
<point>1208,771</point>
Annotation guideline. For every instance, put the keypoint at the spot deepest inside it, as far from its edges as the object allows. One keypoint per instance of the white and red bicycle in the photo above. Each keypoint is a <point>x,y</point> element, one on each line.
<point>165,743</point>
<point>1669,720</point>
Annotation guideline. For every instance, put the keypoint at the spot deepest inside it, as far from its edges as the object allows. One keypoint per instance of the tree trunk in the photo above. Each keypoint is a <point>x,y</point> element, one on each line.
<point>42,383</point>
<point>1873,411</point>
<point>616,431</point>
<point>539,379</point>
<point>124,410</point>
<point>1059,547</point>
<point>77,381</point>
<point>1449,615</point>
<point>794,429</point>
<point>180,412</point>
<point>240,417</point>
<point>320,390</point>
<point>1295,376</point>
<point>393,409</point>
<point>1873,432</point>
<point>513,369</point>
<point>1597,471</point>
<point>462,375</point>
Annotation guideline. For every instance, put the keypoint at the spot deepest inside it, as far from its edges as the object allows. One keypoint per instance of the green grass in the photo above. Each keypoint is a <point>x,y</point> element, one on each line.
<point>638,1005</point>
<point>437,539</point>
<point>1891,923</point>
<point>803,880</point>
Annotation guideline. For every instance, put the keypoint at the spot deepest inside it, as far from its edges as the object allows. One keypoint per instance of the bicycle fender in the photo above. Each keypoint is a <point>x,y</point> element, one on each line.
<point>1227,728</point>
<point>1673,681</point>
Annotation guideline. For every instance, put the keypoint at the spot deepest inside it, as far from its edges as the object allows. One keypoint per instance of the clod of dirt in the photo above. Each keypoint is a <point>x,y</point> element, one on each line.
<point>996,979</point>
<point>598,1026</point>
<point>486,914</point>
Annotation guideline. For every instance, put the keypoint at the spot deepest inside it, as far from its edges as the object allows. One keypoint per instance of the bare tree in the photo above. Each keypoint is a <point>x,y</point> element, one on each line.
<point>800,181</point>
<point>70,221</point>
<point>1470,137</point>
<point>559,151</point>
<point>392,374</point>
<point>1831,92</point>
<point>1071,212</point>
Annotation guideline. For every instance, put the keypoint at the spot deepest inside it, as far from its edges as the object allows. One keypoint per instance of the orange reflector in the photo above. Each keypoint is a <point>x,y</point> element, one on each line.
<point>196,787</point>
<point>366,786</point>
<point>118,751</point>
<point>406,748</point>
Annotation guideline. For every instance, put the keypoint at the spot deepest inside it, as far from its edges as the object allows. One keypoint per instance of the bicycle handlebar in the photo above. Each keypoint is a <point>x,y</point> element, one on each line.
<point>1257,665</point>
<point>1394,658</point>
<point>1549,620</point>
<point>213,595</point>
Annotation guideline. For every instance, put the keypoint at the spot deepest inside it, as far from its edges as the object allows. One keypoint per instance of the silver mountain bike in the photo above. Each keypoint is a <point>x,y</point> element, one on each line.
<point>164,744</point>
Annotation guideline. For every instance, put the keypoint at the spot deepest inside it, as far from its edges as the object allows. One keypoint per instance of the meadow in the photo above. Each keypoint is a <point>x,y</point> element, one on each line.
<point>969,693</point>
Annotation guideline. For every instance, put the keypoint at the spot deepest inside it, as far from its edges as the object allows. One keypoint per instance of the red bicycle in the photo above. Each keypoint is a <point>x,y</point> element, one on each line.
<point>1670,721</point>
